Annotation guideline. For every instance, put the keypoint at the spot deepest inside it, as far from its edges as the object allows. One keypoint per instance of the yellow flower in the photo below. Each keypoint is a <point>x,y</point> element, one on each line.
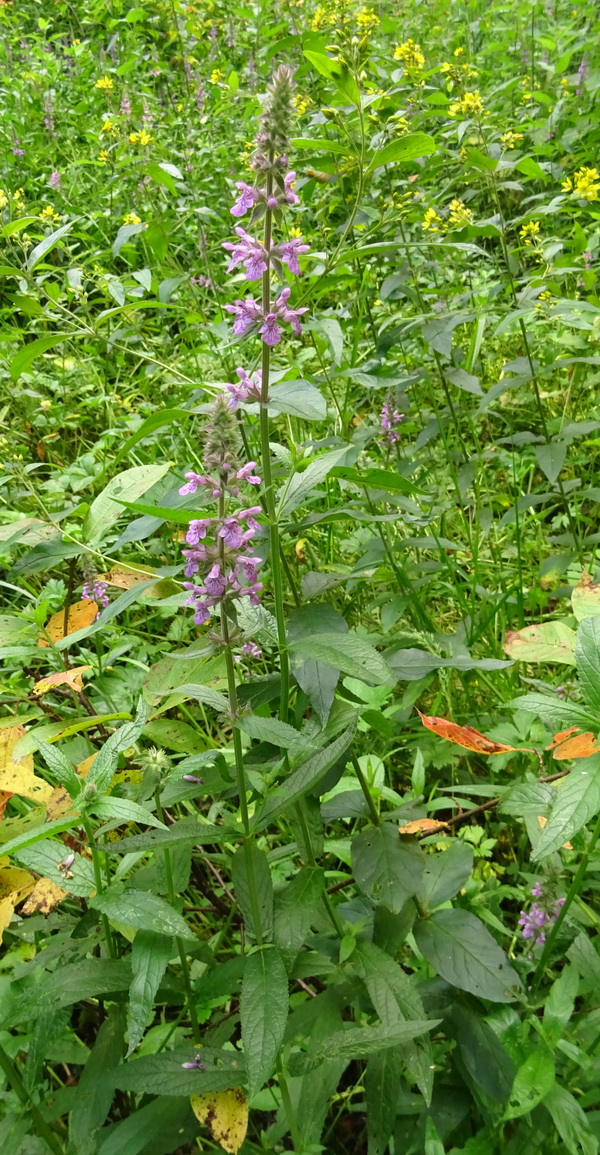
<point>445,67</point>
<point>142,137</point>
<point>302,104</point>
<point>367,20</point>
<point>469,103</point>
<point>530,232</point>
<point>401,125</point>
<point>432,223</point>
<point>109,128</point>
<point>544,299</point>
<point>322,19</point>
<point>458,51</point>
<point>216,76</point>
<point>3,199</point>
<point>410,54</point>
<point>459,214</point>
<point>49,215</point>
<point>132,219</point>
<point>295,232</point>
<point>105,84</point>
<point>585,185</point>
<point>104,156</point>
<point>510,138</point>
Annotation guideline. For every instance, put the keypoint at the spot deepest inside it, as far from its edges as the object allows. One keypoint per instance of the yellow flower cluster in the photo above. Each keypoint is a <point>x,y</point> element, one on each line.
<point>109,128</point>
<point>469,104</point>
<point>544,299</point>
<point>132,219</point>
<point>367,21</point>
<point>510,139</point>
<point>432,223</point>
<point>302,104</point>
<point>216,76</point>
<point>459,214</point>
<point>142,137</point>
<point>49,215</point>
<point>530,232</point>
<point>585,185</point>
<point>104,156</point>
<point>401,125</point>
<point>410,54</point>
<point>105,84</point>
<point>322,18</point>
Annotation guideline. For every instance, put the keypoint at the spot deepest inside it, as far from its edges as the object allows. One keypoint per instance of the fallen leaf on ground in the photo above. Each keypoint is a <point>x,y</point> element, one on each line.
<point>126,579</point>
<point>44,897</point>
<point>466,736</point>
<point>81,614</point>
<point>72,678</point>
<point>422,826</point>
<point>225,1113</point>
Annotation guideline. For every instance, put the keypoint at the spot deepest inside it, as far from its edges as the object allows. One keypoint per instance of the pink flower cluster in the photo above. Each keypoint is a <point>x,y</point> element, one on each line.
<point>255,257</point>
<point>249,313</point>
<point>390,419</point>
<point>247,388</point>
<point>200,480</point>
<point>540,916</point>
<point>95,591</point>
<point>230,568</point>
<point>250,196</point>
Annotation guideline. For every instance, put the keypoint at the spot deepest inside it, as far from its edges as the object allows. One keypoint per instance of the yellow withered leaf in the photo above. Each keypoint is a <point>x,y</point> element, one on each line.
<point>81,614</point>
<point>18,777</point>
<point>72,678</point>
<point>7,909</point>
<point>225,1113</point>
<point>126,579</point>
<point>423,826</point>
<point>44,897</point>
<point>15,885</point>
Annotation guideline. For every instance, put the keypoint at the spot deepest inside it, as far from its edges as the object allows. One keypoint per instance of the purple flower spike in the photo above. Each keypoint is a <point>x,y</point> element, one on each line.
<point>246,313</point>
<point>250,252</point>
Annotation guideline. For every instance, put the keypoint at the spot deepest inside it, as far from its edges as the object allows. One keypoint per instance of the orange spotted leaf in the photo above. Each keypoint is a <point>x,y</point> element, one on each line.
<point>466,736</point>
<point>72,678</point>
<point>81,614</point>
<point>422,826</point>
<point>571,744</point>
<point>4,797</point>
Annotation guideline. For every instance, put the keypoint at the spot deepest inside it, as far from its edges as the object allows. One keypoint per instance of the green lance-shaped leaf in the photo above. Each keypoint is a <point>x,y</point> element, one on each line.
<point>95,1092</point>
<point>149,957</point>
<point>294,909</point>
<point>141,909</point>
<point>250,867</point>
<point>463,952</point>
<point>263,1013</point>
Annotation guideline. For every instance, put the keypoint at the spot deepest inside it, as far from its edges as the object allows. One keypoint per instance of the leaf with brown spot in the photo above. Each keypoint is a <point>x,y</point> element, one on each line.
<point>44,897</point>
<point>72,678</point>
<point>81,614</point>
<point>225,1113</point>
<point>543,642</point>
<point>466,736</point>
<point>585,598</point>
<point>15,885</point>
<point>422,826</point>
<point>18,777</point>
<point>571,744</point>
<point>126,579</point>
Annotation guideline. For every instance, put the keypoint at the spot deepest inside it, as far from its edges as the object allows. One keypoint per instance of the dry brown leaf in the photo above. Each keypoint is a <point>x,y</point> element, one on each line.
<point>81,614</point>
<point>571,744</point>
<point>126,579</point>
<point>44,897</point>
<point>466,736</point>
<point>72,678</point>
<point>18,777</point>
<point>225,1113</point>
<point>423,826</point>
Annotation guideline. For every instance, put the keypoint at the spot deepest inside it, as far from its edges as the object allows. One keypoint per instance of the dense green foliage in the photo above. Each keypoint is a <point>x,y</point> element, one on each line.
<point>214,933</point>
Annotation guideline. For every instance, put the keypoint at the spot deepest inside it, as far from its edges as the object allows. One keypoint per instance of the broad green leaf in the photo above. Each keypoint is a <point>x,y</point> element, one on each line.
<point>105,763</point>
<point>587,652</point>
<point>317,679</point>
<point>207,694</point>
<point>72,983</point>
<point>250,868</point>
<point>486,1061</point>
<point>386,867</point>
<point>410,147</point>
<point>270,730</point>
<point>263,1014</point>
<point>46,246</point>
<point>94,1091</point>
<point>560,1004</point>
<point>299,399</point>
<point>360,1042</point>
<point>551,458</point>
<point>571,1122</point>
<point>141,909</point>
<point>294,909</point>
<point>557,714</point>
<point>150,954</point>
<point>548,642</point>
<point>382,1083</point>
<point>52,731</point>
<point>301,485</point>
<point>306,778</point>
<point>349,653</point>
<point>533,1081</point>
<point>322,145</point>
<point>125,810</point>
<point>576,800</point>
<point>151,1128</point>
<point>463,952</point>
<point>163,1074</point>
<point>27,354</point>
<point>62,769</point>
<point>337,72</point>
<point>585,598</point>
<point>188,830</point>
<point>444,875</point>
<point>45,858</point>
<point>106,509</point>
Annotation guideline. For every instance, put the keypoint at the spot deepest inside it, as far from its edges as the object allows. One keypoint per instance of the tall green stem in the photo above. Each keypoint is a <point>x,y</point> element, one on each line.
<point>185,970</point>
<point>572,893</point>
<point>40,1124</point>
<point>98,880</point>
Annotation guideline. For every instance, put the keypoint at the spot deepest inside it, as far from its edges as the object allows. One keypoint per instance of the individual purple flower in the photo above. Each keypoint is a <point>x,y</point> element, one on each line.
<point>246,387</point>
<point>541,915</point>
<point>269,330</point>
<point>288,253</point>
<point>95,591</point>
<point>16,148</point>
<point>248,251</point>
<point>200,782</point>
<point>54,180</point>
<point>287,314</point>
<point>232,533</point>
<point>215,582</point>
<point>246,200</point>
<point>195,1065</point>
<point>202,281</point>
<point>197,530</point>
<point>246,313</point>
<point>252,650</point>
<point>291,198</point>
<point>246,474</point>
<point>581,76</point>
<point>588,258</point>
<point>194,481</point>
<point>125,106</point>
